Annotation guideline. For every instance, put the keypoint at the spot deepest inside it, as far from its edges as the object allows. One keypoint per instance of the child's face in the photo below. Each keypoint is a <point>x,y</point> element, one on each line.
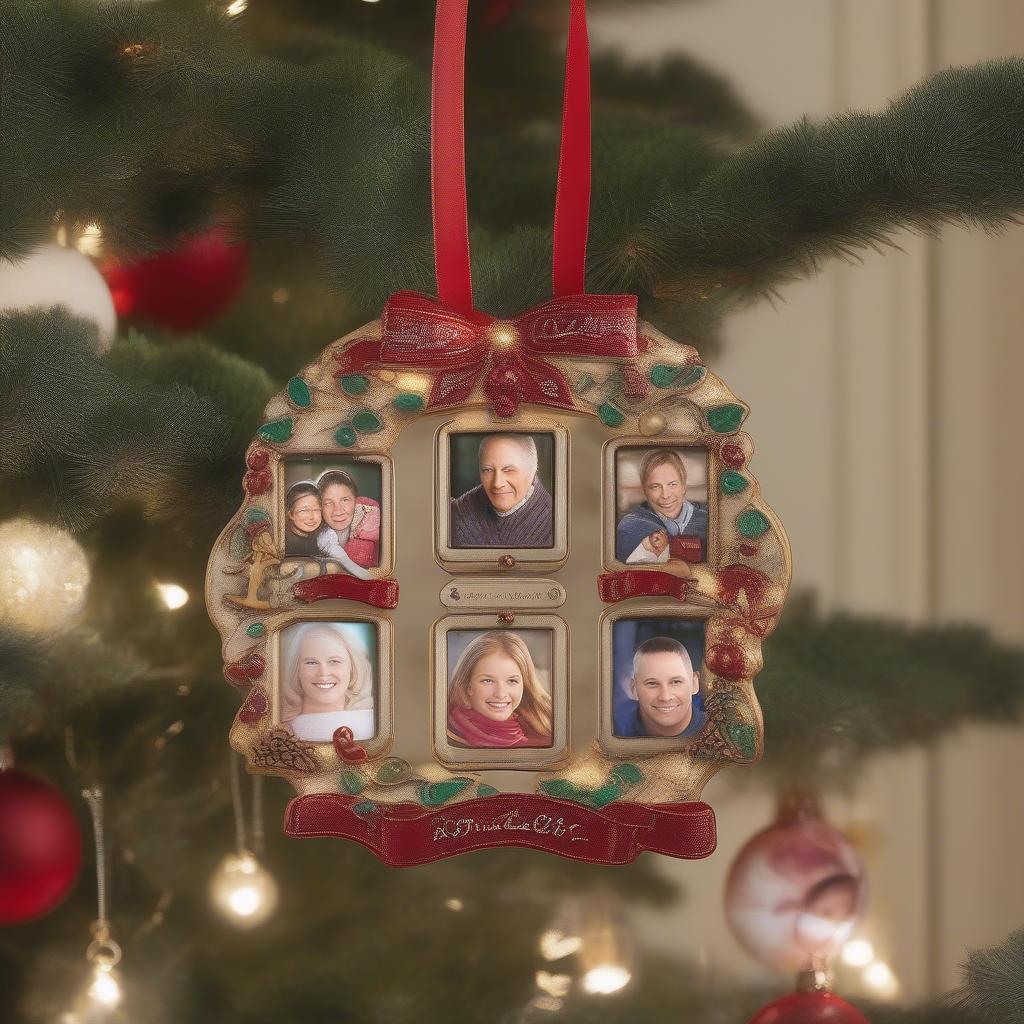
<point>664,686</point>
<point>325,671</point>
<point>659,541</point>
<point>305,514</point>
<point>496,687</point>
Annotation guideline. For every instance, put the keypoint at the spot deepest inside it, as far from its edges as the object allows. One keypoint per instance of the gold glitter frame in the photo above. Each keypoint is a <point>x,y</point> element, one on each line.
<point>740,590</point>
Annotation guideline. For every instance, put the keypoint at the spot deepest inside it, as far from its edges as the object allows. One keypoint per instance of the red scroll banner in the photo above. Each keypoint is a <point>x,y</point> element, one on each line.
<point>403,835</point>
<point>379,593</point>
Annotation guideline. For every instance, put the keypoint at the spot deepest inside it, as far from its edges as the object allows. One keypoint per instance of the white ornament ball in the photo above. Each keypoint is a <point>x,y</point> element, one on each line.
<point>44,574</point>
<point>243,891</point>
<point>54,276</point>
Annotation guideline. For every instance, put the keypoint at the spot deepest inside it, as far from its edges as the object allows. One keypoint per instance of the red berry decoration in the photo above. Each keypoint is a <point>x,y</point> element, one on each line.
<point>732,455</point>
<point>185,288</point>
<point>809,1008</point>
<point>346,747</point>
<point>255,707</point>
<point>40,847</point>
<point>726,660</point>
<point>257,481</point>
<point>258,458</point>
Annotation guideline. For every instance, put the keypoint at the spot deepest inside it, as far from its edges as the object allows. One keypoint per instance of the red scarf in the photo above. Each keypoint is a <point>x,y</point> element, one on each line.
<point>472,729</point>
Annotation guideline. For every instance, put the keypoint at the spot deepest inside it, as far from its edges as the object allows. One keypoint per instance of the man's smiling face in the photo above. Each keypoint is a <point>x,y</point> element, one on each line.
<point>506,472</point>
<point>664,685</point>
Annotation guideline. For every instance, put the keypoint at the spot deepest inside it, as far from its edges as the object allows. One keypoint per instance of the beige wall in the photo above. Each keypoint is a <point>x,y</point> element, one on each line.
<point>905,366</point>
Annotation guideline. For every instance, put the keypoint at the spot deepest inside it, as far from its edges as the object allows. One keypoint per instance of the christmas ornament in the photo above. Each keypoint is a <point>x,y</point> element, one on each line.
<point>796,891</point>
<point>814,1007</point>
<point>511,413</point>
<point>243,891</point>
<point>103,992</point>
<point>55,276</point>
<point>44,574</point>
<point>182,289</point>
<point>40,847</point>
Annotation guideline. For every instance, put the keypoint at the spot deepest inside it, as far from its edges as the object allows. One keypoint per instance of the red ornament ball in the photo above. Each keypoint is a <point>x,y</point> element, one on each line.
<point>795,891</point>
<point>185,288</point>
<point>40,847</point>
<point>809,1008</point>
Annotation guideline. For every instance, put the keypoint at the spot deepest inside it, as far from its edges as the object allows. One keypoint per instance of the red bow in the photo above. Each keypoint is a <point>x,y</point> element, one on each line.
<point>421,333</point>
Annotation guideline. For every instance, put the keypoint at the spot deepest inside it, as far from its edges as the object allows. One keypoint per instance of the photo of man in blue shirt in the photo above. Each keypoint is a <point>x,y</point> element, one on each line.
<point>665,693</point>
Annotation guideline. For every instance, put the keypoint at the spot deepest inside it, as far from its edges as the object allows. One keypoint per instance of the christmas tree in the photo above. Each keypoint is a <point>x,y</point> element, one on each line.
<point>292,140</point>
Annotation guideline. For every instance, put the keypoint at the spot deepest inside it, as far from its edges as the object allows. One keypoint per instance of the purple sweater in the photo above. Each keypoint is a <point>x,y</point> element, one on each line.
<point>474,523</point>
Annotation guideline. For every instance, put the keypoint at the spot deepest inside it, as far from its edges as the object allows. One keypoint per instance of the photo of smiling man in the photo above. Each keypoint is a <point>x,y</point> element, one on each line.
<point>503,499</point>
<point>662,508</point>
<point>657,679</point>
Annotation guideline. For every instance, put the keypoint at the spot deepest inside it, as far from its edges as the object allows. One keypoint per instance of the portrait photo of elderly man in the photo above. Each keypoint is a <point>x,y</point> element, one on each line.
<point>669,522</point>
<point>510,506</point>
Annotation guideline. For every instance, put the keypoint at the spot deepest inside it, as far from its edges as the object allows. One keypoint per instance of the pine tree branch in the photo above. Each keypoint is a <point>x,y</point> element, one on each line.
<point>838,691</point>
<point>153,124</point>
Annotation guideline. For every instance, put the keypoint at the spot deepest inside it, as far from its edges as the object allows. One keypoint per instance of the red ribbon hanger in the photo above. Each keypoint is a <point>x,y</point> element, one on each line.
<point>448,160</point>
<point>466,348</point>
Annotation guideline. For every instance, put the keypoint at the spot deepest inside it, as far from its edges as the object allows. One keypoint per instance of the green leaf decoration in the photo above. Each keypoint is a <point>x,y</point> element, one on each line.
<point>724,419</point>
<point>353,782</point>
<point>364,808</point>
<point>626,774</point>
<point>732,482</point>
<point>367,422</point>
<point>257,515</point>
<point>605,795</point>
<point>408,401</point>
<point>665,376</point>
<point>392,771</point>
<point>584,382</point>
<point>257,629</point>
<point>562,789</point>
<point>611,416</point>
<point>434,794</point>
<point>299,393</point>
<point>355,384</point>
<point>277,431</point>
<point>484,790</point>
<point>744,738</point>
<point>345,436</point>
<point>752,523</point>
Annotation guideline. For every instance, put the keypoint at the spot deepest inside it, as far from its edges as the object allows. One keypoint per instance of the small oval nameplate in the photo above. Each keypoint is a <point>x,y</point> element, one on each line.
<point>502,592</point>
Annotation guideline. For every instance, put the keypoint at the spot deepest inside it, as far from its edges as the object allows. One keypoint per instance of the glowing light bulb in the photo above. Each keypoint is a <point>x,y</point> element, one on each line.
<point>243,890</point>
<point>172,595</point>
<point>43,575</point>
<point>880,977</point>
<point>606,979</point>
<point>858,953</point>
<point>90,241</point>
<point>556,985</point>
<point>105,988</point>
<point>555,944</point>
<point>236,7</point>
<point>454,904</point>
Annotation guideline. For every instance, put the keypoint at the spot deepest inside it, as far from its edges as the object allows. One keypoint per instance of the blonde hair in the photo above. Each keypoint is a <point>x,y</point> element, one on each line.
<point>534,711</point>
<point>661,457</point>
<point>358,695</point>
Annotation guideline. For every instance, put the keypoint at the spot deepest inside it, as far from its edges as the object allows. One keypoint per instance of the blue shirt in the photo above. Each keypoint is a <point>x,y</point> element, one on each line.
<point>627,722</point>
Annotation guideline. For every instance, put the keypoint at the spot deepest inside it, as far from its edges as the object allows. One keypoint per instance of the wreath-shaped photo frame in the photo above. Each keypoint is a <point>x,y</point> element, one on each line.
<point>702,595</point>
